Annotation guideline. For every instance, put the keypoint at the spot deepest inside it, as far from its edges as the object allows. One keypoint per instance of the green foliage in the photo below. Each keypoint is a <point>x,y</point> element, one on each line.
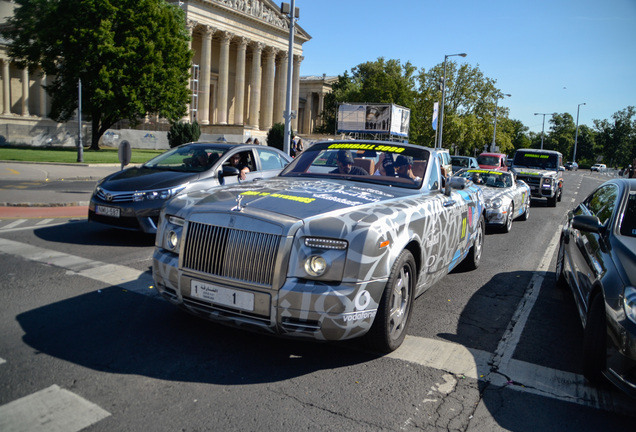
<point>132,57</point>
<point>183,132</point>
<point>276,136</point>
<point>616,140</point>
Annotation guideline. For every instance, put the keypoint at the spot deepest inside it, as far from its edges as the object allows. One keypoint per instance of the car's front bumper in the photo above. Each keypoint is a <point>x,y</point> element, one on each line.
<point>300,308</point>
<point>496,216</point>
<point>138,216</point>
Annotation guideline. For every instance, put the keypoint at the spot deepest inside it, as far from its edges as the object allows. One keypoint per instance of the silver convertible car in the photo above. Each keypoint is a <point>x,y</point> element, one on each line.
<point>506,199</point>
<point>337,246</point>
<point>597,260</point>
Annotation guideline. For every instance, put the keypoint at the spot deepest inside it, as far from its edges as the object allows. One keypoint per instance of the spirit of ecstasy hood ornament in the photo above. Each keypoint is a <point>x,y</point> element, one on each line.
<point>238,207</point>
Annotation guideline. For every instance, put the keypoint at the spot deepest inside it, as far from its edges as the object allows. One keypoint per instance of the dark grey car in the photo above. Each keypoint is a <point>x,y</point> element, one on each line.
<point>132,198</point>
<point>597,260</point>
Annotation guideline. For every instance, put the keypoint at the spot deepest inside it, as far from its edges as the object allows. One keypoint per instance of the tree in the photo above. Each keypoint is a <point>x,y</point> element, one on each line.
<point>183,132</point>
<point>275,136</point>
<point>561,135</point>
<point>132,57</point>
<point>616,141</point>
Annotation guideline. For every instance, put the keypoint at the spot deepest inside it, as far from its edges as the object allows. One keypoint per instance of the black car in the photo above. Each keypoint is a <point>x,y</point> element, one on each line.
<point>132,198</point>
<point>597,260</point>
<point>571,166</point>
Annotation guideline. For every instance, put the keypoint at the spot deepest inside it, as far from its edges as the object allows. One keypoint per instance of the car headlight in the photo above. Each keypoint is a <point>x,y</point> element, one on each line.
<point>172,233</point>
<point>495,203</point>
<point>547,183</point>
<point>160,194</point>
<point>321,258</point>
<point>629,303</point>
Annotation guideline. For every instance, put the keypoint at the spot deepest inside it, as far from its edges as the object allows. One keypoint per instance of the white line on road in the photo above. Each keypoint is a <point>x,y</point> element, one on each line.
<point>15,223</point>
<point>50,410</point>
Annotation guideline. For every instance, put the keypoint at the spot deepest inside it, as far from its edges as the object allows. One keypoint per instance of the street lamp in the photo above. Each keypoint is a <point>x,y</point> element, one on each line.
<point>441,115</point>
<point>494,133</point>
<point>543,127</point>
<point>292,13</point>
<point>576,135</point>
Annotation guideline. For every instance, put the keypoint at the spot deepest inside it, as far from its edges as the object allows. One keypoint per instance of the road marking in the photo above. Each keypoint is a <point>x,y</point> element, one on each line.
<point>44,222</point>
<point>113,274</point>
<point>2,361</point>
<point>50,410</point>
<point>496,368</point>
<point>15,223</point>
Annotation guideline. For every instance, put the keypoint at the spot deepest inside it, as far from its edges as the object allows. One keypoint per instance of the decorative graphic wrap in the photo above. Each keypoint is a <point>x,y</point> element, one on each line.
<point>354,230</point>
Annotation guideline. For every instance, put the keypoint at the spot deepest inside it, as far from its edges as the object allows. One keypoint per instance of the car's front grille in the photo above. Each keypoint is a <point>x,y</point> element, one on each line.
<point>231,253</point>
<point>530,180</point>
<point>114,196</point>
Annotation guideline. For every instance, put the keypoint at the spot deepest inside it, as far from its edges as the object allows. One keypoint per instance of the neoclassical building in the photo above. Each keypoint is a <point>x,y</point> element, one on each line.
<point>239,74</point>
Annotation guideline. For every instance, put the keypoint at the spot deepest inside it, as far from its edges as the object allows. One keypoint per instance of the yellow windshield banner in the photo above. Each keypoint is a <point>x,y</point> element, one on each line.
<point>534,155</point>
<point>362,146</point>
<point>483,171</point>
<point>281,196</point>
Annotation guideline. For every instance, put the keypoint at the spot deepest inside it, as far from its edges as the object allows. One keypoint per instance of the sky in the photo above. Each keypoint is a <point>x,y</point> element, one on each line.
<point>550,55</point>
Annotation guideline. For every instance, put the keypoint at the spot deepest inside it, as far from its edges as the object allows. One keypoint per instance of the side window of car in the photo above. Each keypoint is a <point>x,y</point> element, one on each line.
<point>602,202</point>
<point>270,160</point>
<point>433,180</point>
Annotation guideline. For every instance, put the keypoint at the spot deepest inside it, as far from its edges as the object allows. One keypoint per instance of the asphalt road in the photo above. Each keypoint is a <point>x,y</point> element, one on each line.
<point>85,338</point>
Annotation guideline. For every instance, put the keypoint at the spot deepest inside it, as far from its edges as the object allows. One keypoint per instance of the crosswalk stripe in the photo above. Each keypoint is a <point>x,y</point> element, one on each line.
<point>15,223</point>
<point>52,409</point>
<point>43,222</point>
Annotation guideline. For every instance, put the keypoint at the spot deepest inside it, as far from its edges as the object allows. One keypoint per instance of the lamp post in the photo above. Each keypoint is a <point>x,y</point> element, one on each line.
<point>576,135</point>
<point>441,114</point>
<point>494,132</point>
<point>543,127</point>
<point>292,12</point>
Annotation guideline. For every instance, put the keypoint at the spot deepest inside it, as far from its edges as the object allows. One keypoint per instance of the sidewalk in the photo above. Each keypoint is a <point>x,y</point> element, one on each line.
<point>18,203</point>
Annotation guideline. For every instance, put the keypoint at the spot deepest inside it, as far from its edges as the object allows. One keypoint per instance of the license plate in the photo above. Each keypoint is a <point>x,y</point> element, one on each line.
<point>107,211</point>
<point>222,296</point>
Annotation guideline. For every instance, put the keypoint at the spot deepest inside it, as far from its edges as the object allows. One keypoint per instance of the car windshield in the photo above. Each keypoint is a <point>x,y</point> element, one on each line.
<point>628,221</point>
<point>460,162</point>
<point>187,158</point>
<point>536,160</point>
<point>488,160</point>
<point>488,178</point>
<point>369,162</point>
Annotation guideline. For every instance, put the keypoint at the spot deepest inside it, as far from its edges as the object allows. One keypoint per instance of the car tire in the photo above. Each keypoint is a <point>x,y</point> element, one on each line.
<point>472,260</point>
<point>559,195</point>
<point>595,341</point>
<point>508,225</point>
<point>552,200</point>
<point>561,281</point>
<point>526,214</point>
<point>394,312</point>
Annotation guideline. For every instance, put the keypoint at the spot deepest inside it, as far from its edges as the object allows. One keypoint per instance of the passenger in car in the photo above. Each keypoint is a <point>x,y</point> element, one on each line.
<point>344,160</point>
<point>404,168</point>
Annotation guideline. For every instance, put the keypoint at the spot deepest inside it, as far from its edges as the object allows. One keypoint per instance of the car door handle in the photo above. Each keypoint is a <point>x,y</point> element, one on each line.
<point>449,203</point>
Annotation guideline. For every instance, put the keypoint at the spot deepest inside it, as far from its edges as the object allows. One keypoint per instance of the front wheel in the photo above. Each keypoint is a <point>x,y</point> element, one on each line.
<point>526,214</point>
<point>561,281</point>
<point>552,200</point>
<point>394,313</point>
<point>508,225</point>
<point>595,341</point>
<point>472,260</point>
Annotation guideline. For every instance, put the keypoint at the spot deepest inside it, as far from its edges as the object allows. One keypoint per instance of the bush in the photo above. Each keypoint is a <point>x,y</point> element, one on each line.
<point>183,132</point>
<point>276,136</point>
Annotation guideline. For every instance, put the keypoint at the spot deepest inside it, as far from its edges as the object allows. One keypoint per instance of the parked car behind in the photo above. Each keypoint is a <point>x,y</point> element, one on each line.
<point>598,167</point>
<point>326,250</point>
<point>571,166</point>
<point>597,260</point>
<point>132,198</point>
<point>461,162</point>
<point>496,161</point>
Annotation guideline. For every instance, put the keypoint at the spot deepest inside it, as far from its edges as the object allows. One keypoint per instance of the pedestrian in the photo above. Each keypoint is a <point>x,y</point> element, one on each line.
<point>299,146</point>
<point>292,150</point>
<point>256,141</point>
<point>249,141</point>
<point>630,171</point>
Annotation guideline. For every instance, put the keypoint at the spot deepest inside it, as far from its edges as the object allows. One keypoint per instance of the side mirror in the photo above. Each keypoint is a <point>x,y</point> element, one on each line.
<point>229,171</point>
<point>455,183</point>
<point>587,223</point>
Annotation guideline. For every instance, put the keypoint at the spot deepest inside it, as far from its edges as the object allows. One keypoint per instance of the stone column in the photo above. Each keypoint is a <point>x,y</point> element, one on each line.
<point>308,113</point>
<point>281,88</point>
<point>190,25</point>
<point>239,85</point>
<point>25,92</point>
<point>224,79</point>
<point>6,87</point>
<point>255,86</point>
<point>321,106</point>
<point>296,91</point>
<point>267,104</point>
<point>43,99</point>
<point>204,76</point>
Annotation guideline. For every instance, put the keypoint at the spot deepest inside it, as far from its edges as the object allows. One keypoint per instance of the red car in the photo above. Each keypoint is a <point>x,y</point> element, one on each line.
<point>493,161</point>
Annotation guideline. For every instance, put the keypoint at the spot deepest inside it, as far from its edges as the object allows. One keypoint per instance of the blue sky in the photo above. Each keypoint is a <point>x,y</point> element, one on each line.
<point>550,55</point>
